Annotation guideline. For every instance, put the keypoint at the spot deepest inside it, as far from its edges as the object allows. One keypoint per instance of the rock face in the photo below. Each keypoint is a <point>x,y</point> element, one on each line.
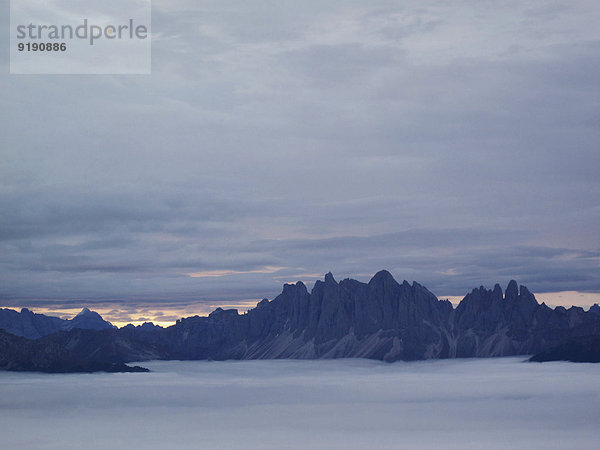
<point>486,323</point>
<point>34,326</point>
<point>382,319</point>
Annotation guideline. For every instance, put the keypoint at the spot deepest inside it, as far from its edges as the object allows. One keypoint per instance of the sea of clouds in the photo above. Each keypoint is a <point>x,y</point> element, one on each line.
<point>480,403</point>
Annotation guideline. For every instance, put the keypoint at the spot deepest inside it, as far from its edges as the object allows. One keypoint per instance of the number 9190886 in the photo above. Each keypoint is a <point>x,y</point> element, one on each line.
<point>42,47</point>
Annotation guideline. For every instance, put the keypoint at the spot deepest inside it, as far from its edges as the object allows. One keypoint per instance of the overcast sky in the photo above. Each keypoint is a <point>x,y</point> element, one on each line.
<point>455,143</point>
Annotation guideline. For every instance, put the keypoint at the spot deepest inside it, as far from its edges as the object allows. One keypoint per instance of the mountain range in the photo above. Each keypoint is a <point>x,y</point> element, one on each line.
<point>381,319</point>
<point>34,326</point>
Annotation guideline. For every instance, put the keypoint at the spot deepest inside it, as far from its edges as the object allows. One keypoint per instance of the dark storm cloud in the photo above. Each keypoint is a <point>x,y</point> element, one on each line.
<point>455,145</point>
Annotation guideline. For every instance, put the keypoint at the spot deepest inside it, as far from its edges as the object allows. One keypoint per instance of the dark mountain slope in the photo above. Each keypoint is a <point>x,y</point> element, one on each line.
<point>74,351</point>
<point>579,349</point>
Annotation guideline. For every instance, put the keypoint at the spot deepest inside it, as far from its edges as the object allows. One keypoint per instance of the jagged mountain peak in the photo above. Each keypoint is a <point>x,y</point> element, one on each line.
<point>85,311</point>
<point>383,276</point>
<point>514,293</point>
<point>264,302</point>
<point>87,319</point>
<point>329,278</point>
<point>523,291</point>
<point>221,313</point>
<point>295,287</point>
<point>512,290</point>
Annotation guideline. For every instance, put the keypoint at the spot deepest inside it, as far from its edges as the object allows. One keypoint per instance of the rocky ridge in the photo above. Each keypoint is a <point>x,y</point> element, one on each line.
<point>381,319</point>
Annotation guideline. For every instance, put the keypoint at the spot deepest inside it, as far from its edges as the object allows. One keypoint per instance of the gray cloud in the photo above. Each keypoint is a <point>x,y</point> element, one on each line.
<point>453,145</point>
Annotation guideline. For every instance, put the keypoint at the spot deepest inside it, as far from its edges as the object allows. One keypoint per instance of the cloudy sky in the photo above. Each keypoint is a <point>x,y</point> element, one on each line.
<point>455,144</point>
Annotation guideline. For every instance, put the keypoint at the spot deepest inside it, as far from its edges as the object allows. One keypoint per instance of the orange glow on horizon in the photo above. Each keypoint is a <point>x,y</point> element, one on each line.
<point>120,316</point>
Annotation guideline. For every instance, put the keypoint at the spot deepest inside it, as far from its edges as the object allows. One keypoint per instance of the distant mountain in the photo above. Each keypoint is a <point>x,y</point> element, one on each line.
<point>28,324</point>
<point>381,319</point>
<point>34,326</point>
<point>87,320</point>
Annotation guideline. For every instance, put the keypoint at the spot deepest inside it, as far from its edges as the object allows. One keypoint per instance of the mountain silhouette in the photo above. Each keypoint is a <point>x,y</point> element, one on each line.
<point>381,319</point>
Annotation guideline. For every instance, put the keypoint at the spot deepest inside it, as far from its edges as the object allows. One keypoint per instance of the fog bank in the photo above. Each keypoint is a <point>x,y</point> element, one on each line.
<point>492,403</point>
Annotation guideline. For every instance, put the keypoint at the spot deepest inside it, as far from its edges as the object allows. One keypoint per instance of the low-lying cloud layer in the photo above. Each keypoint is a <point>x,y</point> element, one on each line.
<point>455,145</point>
<point>470,404</point>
